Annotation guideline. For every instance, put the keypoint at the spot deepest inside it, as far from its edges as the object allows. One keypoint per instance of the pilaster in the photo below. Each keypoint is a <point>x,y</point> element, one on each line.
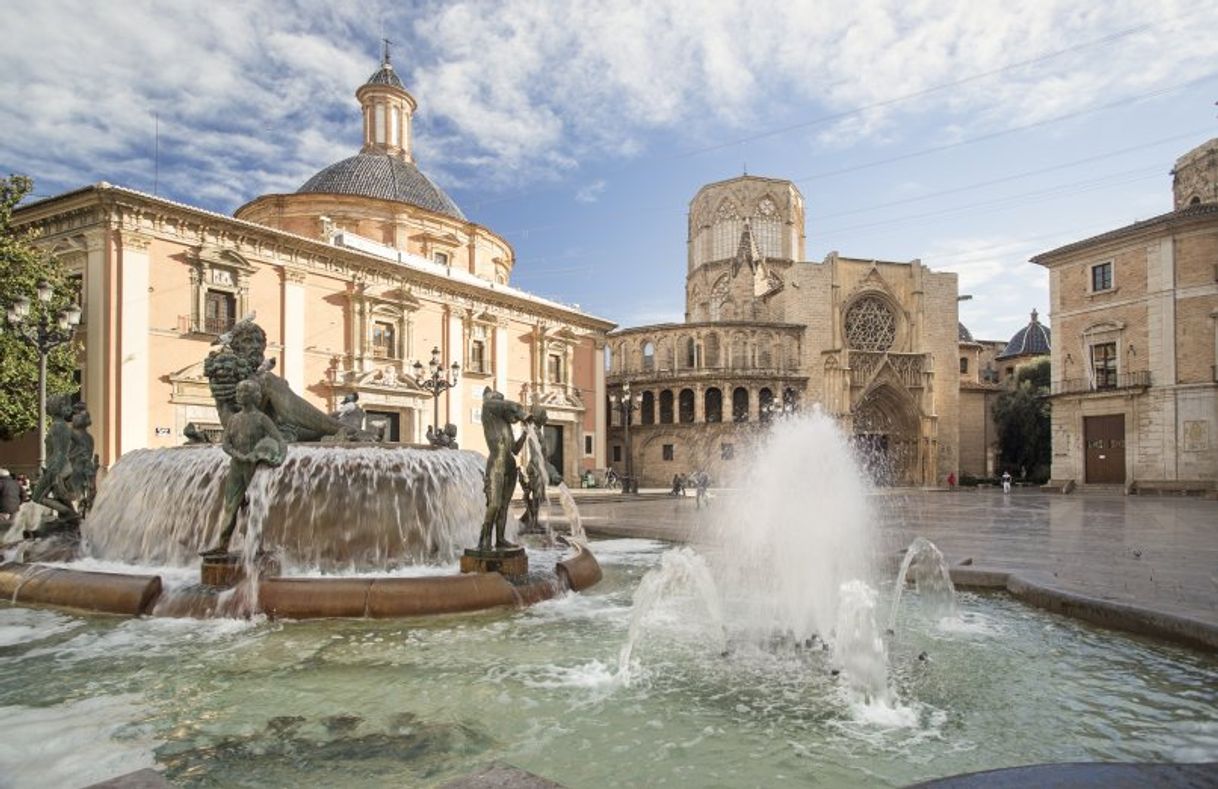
<point>293,328</point>
<point>133,317</point>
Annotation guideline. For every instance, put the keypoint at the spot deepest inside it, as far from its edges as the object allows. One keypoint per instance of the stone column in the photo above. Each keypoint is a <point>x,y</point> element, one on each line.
<point>500,360</point>
<point>699,404</point>
<point>133,342</point>
<point>598,376</point>
<point>293,329</point>
<point>94,322</point>
<point>456,399</point>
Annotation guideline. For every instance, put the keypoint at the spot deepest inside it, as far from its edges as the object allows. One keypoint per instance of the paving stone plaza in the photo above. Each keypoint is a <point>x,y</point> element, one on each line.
<point>1155,553</point>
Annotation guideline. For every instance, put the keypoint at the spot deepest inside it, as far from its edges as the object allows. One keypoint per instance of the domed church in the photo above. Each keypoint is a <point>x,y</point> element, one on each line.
<point>360,278</point>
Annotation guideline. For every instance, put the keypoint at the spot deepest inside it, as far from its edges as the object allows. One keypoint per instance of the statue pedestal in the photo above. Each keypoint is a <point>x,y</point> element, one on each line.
<point>226,570</point>
<point>511,563</point>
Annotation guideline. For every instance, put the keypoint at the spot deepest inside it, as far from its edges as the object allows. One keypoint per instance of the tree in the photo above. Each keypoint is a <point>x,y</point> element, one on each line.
<point>22,267</point>
<point>1022,416</point>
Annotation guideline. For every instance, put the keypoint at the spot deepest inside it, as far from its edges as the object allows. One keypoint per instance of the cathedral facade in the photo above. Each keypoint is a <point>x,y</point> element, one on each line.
<point>873,343</point>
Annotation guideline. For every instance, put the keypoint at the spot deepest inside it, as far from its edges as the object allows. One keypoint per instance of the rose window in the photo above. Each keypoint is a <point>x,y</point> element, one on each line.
<point>870,325</point>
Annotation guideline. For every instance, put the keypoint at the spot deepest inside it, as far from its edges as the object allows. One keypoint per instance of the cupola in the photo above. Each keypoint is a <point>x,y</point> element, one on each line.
<point>388,110</point>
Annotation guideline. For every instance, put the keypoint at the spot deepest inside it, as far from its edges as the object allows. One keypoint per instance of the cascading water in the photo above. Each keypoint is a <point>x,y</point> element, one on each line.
<point>925,566</point>
<point>329,506</point>
<point>858,649</point>
<point>571,510</point>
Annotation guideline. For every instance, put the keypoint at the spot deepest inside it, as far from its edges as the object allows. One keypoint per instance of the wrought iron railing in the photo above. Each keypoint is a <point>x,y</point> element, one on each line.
<point>1104,383</point>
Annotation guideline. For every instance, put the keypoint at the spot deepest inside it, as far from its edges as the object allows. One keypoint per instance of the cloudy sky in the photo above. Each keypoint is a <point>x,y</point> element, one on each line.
<point>970,134</point>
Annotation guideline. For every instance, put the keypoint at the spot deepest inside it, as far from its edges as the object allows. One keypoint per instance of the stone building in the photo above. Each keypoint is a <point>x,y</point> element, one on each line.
<point>363,270</point>
<point>1135,313</point>
<point>874,343</point>
<point>979,388</point>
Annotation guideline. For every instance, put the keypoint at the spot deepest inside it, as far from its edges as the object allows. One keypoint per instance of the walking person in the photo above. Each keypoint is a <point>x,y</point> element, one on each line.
<point>1006,482</point>
<point>701,483</point>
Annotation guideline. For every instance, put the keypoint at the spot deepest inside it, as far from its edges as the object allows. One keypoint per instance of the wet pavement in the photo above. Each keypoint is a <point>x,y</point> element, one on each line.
<point>1157,553</point>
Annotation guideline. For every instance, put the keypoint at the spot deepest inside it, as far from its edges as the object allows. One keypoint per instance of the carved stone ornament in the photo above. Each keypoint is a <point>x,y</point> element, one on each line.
<point>870,325</point>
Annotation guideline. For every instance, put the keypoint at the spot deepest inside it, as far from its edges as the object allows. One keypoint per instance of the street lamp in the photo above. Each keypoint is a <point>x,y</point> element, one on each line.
<point>437,381</point>
<point>38,331</point>
<point>626,405</point>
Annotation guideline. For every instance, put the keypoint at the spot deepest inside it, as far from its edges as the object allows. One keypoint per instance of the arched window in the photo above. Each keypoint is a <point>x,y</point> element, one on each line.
<point>710,352</point>
<point>648,409</point>
<point>765,402</point>
<point>691,352</point>
<point>714,405</point>
<point>740,404</point>
<point>649,355</point>
<point>667,355</point>
<point>666,407</point>
<point>685,406</point>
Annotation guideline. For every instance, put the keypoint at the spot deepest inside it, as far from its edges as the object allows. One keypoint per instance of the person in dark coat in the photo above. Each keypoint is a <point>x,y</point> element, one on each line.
<point>10,496</point>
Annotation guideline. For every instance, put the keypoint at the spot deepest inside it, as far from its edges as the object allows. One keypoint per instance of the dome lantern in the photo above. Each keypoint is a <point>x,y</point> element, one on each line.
<point>388,110</point>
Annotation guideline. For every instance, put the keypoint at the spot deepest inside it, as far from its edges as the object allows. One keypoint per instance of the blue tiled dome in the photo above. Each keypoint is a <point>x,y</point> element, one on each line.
<point>384,177</point>
<point>1031,340</point>
<point>965,334</point>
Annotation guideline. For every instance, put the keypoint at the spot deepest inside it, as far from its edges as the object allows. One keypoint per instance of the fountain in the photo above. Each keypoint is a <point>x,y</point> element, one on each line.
<point>292,493</point>
<point>755,656</point>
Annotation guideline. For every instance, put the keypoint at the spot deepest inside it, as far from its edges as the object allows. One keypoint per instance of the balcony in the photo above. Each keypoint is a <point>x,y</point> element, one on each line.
<point>1107,383</point>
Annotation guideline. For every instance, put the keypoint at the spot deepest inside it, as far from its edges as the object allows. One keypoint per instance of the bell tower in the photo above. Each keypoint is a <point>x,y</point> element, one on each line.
<point>1195,176</point>
<point>388,111</point>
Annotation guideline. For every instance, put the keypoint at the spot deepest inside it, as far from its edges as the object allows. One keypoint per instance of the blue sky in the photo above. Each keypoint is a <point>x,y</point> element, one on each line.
<point>969,135</point>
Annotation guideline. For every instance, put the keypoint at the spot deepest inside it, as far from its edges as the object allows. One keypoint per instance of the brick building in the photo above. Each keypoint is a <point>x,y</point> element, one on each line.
<point>1135,317</point>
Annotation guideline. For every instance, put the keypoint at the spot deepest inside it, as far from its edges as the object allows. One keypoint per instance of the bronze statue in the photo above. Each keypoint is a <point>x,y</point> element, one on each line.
<point>194,435</point>
<point>241,357</point>
<point>498,416</point>
<point>54,488</point>
<point>83,480</point>
<point>445,439</point>
<point>251,439</point>
<point>536,472</point>
<point>349,412</point>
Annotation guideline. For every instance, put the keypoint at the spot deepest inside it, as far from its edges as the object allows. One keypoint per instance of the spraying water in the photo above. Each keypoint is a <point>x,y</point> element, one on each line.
<point>682,574</point>
<point>925,566</point>
<point>571,510</point>
<point>329,506</point>
<point>800,528</point>
<point>858,648</point>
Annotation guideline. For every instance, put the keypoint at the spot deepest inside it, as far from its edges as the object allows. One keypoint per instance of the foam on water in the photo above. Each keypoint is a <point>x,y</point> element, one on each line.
<point>25,625</point>
<point>75,743</point>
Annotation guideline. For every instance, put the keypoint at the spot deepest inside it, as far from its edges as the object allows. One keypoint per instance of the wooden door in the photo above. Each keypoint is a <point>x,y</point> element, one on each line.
<point>1104,438</point>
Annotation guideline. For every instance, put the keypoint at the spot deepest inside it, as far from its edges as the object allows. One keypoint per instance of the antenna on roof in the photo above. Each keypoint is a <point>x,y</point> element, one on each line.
<point>746,168</point>
<point>385,51</point>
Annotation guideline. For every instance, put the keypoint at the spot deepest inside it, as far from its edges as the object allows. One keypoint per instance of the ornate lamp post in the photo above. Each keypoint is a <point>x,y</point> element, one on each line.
<point>625,404</point>
<point>437,382</point>
<point>45,336</point>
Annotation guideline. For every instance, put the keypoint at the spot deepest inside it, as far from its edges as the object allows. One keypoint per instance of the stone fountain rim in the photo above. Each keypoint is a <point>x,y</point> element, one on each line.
<point>290,597</point>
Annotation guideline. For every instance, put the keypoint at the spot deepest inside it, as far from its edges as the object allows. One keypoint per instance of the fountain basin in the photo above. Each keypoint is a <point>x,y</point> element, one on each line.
<point>297,597</point>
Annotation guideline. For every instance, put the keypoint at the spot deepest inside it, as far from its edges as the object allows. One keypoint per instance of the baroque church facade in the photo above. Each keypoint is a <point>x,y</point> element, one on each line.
<point>873,343</point>
<point>355,277</point>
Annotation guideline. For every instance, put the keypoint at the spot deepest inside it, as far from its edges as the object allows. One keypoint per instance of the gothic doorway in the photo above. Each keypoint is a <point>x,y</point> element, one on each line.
<point>886,435</point>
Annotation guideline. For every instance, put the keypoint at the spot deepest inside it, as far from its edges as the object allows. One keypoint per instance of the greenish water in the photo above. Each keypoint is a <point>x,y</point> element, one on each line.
<point>375,703</point>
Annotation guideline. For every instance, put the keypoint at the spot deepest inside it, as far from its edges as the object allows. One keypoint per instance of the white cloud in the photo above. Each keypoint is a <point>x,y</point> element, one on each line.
<point>256,96</point>
<point>996,272</point>
<point>590,193</point>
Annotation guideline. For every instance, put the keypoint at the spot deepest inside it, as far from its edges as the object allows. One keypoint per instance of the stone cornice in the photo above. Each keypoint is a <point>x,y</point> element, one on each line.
<point>131,211</point>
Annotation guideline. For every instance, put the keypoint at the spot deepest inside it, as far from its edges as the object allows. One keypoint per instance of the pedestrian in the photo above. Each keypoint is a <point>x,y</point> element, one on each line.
<point>951,481</point>
<point>701,483</point>
<point>10,496</point>
<point>1006,482</point>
